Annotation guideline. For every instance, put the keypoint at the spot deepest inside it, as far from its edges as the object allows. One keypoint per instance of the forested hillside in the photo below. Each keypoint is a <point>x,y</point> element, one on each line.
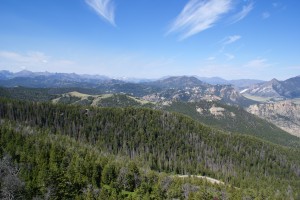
<point>69,151</point>
<point>104,100</point>
<point>29,94</point>
<point>233,119</point>
<point>212,113</point>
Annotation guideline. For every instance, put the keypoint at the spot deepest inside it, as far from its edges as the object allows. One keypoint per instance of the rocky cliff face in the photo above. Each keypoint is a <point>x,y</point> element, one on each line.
<point>224,93</point>
<point>284,114</point>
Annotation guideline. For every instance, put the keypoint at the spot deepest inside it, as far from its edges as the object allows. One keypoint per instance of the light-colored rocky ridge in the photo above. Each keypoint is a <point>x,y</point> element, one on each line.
<point>284,114</point>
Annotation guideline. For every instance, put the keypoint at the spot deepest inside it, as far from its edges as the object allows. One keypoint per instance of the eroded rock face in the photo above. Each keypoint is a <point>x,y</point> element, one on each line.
<point>284,114</point>
<point>217,111</point>
<point>225,93</point>
<point>199,110</point>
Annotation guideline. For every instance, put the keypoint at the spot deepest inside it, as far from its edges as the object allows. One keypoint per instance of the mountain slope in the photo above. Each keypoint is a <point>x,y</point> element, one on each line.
<point>163,141</point>
<point>277,89</point>
<point>233,119</point>
<point>221,116</point>
<point>29,94</point>
<point>191,89</point>
<point>105,100</point>
<point>284,114</point>
<point>44,165</point>
<point>239,83</point>
<point>292,86</point>
<point>178,82</point>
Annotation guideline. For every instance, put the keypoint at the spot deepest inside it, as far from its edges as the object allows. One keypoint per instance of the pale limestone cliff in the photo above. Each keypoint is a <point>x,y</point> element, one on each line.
<point>284,114</point>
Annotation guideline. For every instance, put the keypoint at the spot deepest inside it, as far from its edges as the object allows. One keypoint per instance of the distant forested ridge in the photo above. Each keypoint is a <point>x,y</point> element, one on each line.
<point>70,151</point>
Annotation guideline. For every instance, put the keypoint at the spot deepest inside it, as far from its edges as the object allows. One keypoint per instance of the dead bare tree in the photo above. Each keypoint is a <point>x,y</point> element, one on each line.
<point>11,187</point>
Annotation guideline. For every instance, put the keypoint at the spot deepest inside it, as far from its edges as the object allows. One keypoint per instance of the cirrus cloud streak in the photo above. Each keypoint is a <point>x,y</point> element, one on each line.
<point>243,13</point>
<point>231,39</point>
<point>104,8</point>
<point>199,15</point>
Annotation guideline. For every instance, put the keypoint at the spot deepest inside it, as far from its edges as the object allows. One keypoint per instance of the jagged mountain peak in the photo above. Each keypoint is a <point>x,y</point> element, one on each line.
<point>274,80</point>
<point>277,89</point>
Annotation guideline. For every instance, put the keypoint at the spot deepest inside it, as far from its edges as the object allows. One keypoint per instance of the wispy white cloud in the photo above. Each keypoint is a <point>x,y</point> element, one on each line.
<point>104,8</point>
<point>199,15</point>
<point>231,39</point>
<point>258,63</point>
<point>243,13</point>
<point>265,15</point>
<point>227,41</point>
<point>30,57</point>
<point>33,60</point>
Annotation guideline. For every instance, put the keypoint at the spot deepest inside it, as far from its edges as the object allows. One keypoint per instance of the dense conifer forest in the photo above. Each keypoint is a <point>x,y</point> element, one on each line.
<point>235,119</point>
<point>79,152</point>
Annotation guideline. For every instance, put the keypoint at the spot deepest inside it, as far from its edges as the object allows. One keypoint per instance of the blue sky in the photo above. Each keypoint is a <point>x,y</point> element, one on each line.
<point>152,38</point>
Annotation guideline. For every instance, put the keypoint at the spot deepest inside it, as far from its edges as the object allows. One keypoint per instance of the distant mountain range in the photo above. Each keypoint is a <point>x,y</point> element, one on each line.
<point>180,88</point>
<point>287,89</point>
<point>5,75</point>
<point>178,82</point>
<point>239,83</point>
<point>10,79</point>
<point>46,79</point>
<point>191,89</point>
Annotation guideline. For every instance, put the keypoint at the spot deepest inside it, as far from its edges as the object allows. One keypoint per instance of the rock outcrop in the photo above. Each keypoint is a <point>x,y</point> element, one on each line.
<point>284,114</point>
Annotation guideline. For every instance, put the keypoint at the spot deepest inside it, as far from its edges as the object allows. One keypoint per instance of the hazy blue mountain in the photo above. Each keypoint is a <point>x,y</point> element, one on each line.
<point>4,74</point>
<point>274,88</point>
<point>243,83</point>
<point>178,82</point>
<point>213,80</point>
<point>238,83</point>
